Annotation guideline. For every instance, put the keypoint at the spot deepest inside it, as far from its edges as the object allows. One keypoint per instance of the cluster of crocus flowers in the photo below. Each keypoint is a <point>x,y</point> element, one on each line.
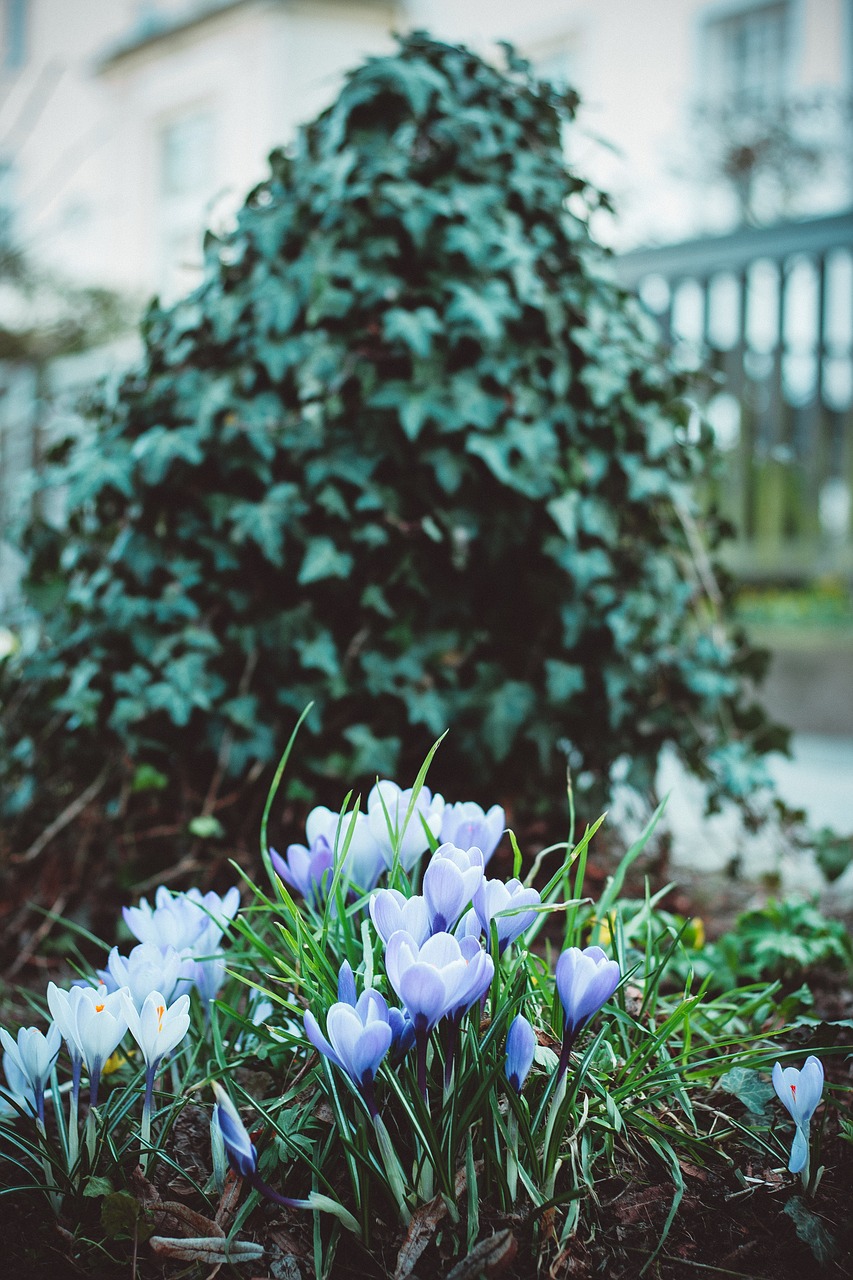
<point>146,993</point>
<point>396,824</point>
<point>189,925</point>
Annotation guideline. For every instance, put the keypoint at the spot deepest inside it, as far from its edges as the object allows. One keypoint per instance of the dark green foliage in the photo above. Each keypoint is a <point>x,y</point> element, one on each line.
<point>408,452</point>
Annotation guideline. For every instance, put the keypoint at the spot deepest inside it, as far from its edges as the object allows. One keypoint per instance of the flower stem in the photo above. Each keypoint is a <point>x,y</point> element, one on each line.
<point>73,1112</point>
<point>145,1131</point>
<point>421,1047</point>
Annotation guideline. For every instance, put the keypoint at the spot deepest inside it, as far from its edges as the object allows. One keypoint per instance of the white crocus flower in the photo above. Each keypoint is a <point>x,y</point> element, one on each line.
<point>31,1058</point>
<point>388,804</point>
<point>146,969</point>
<point>157,1028</point>
<point>93,1023</point>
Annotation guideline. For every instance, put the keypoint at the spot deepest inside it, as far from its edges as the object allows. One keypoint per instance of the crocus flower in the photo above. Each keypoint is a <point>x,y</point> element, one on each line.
<point>31,1057</point>
<point>239,1147</point>
<point>799,1092</point>
<point>391,911</point>
<point>146,969</point>
<point>450,882</point>
<point>93,1024</point>
<point>435,979</point>
<point>520,1050</point>
<point>358,1039</point>
<point>308,870</point>
<point>468,827</point>
<point>18,1088</point>
<point>402,1035</point>
<point>386,798</point>
<point>585,981</point>
<point>190,922</point>
<point>207,977</point>
<point>243,1159</point>
<point>158,1027</point>
<point>474,992</point>
<point>493,898</point>
<point>346,984</point>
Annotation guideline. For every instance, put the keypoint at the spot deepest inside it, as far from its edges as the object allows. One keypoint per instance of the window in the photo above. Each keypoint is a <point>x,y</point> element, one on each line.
<point>14,34</point>
<point>749,55</point>
<point>187,186</point>
<point>187,155</point>
<point>7,208</point>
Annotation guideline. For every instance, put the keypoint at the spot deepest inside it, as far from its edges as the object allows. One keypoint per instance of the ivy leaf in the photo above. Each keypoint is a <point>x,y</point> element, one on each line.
<point>812,1231</point>
<point>160,447</point>
<point>265,522</point>
<point>415,329</point>
<point>748,1086</point>
<point>323,560</point>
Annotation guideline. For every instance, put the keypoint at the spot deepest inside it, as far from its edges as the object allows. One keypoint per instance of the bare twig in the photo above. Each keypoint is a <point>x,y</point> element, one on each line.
<point>72,811</point>
<point>40,934</point>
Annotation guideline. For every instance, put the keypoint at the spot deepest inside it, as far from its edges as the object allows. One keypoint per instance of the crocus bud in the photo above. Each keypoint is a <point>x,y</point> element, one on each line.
<point>520,1049</point>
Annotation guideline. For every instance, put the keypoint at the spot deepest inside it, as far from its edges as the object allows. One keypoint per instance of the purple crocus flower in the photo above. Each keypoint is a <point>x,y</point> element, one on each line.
<point>387,798</point>
<point>434,980</point>
<point>308,870</point>
<point>493,898</point>
<point>450,882</point>
<point>351,831</point>
<point>520,1051</point>
<point>358,1039</point>
<point>468,827</point>
<point>799,1092</point>
<point>391,911</point>
<point>243,1159</point>
<point>585,981</point>
<point>476,991</point>
<point>402,1035</point>
<point>346,984</point>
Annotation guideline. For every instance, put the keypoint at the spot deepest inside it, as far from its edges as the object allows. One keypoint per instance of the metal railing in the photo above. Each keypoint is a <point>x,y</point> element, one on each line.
<point>769,313</point>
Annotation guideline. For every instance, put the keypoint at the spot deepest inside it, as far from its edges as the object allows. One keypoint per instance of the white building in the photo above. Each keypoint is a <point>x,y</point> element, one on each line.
<point>127,126</point>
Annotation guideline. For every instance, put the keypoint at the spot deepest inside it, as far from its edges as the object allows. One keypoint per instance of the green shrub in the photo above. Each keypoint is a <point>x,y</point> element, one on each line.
<point>408,452</point>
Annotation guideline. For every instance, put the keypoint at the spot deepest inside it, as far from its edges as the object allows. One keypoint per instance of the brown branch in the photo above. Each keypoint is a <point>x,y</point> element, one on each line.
<point>69,813</point>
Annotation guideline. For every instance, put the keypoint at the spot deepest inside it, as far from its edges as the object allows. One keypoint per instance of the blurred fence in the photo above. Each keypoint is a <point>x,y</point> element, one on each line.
<point>769,312</point>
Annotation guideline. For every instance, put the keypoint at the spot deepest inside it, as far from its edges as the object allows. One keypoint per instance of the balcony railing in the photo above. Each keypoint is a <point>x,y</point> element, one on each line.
<point>769,313</point>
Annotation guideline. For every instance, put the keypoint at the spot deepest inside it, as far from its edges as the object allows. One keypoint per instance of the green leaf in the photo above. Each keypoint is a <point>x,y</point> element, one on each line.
<point>206,827</point>
<point>748,1086</point>
<point>123,1218</point>
<point>147,778</point>
<point>96,1186</point>
<point>323,560</point>
<point>812,1230</point>
<point>415,329</point>
<point>160,447</point>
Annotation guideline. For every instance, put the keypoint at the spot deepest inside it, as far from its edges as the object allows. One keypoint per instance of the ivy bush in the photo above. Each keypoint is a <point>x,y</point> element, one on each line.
<point>408,452</point>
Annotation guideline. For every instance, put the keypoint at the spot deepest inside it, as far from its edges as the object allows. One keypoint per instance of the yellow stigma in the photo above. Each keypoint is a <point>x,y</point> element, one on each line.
<point>99,1008</point>
<point>161,1009</point>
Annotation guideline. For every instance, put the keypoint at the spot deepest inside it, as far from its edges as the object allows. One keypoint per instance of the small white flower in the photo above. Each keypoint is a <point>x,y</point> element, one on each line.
<point>158,1027</point>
